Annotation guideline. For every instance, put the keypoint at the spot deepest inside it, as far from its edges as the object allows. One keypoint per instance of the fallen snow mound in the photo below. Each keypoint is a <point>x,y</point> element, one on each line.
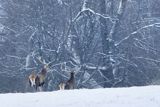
<point>148,96</point>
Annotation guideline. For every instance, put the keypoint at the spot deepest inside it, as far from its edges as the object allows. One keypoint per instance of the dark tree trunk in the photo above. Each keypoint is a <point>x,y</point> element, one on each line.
<point>105,46</point>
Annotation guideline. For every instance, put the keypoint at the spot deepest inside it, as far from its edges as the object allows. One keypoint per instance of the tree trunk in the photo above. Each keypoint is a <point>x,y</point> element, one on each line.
<point>108,42</point>
<point>105,46</point>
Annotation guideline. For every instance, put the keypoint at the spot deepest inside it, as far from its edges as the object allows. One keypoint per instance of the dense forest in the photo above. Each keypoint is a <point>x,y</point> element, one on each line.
<point>107,43</point>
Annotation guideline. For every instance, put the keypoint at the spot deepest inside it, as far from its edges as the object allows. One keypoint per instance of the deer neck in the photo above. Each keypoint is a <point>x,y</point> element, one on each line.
<point>44,71</point>
<point>71,77</point>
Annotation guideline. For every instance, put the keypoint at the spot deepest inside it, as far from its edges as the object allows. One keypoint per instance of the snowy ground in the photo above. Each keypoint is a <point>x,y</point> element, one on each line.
<point>112,97</point>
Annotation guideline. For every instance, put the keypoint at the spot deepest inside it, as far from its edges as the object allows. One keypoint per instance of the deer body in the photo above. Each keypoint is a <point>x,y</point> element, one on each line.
<point>32,78</point>
<point>39,79</point>
<point>62,86</point>
<point>69,84</point>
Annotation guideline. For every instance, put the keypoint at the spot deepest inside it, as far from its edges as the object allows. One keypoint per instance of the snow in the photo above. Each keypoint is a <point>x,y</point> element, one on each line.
<point>148,96</point>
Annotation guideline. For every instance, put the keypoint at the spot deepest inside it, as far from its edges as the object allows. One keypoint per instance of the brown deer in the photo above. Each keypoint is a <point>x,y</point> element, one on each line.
<point>39,79</point>
<point>41,76</point>
<point>31,79</point>
<point>69,84</point>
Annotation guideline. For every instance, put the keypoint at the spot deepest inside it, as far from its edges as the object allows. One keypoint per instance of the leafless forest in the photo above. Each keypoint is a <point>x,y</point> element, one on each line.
<point>107,43</point>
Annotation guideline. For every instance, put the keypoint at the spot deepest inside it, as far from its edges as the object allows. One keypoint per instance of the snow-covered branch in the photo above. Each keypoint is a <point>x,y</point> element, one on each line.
<point>88,10</point>
<point>148,59</point>
<point>137,31</point>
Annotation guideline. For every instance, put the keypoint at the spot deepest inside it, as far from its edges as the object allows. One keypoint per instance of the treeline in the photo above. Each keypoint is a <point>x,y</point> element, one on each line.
<point>108,43</point>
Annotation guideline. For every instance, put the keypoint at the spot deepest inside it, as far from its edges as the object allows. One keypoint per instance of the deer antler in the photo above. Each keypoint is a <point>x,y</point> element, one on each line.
<point>41,60</point>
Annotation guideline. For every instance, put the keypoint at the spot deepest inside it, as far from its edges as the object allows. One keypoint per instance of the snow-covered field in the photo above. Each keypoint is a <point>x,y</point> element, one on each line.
<point>148,96</point>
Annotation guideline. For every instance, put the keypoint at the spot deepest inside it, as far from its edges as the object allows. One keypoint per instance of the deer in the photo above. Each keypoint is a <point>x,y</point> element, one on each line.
<point>38,80</point>
<point>69,84</point>
<point>31,79</point>
<point>62,86</point>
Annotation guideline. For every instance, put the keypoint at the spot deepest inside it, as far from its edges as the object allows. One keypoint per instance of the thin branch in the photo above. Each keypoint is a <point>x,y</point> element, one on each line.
<point>148,59</point>
<point>137,31</point>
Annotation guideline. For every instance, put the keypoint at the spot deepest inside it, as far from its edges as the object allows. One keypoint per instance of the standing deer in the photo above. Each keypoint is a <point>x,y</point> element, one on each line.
<point>69,84</point>
<point>31,79</point>
<point>41,76</point>
<point>62,86</point>
<point>39,79</point>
